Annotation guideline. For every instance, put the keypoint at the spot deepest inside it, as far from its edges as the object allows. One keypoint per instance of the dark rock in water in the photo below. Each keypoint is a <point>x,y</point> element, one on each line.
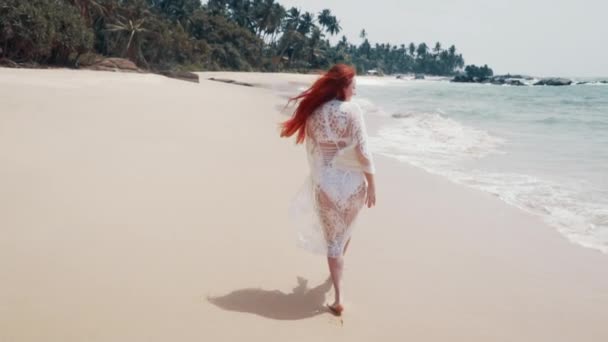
<point>497,80</point>
<point>554,82</point>
<point>515,83</point>
<point>579,83</point>
<point>419,77</point>
<point>514,80</point>
<point>523,77</point>
<point>181,75</point>
<point>462,79</point>
<point>469,79</point>
<point>401,115</point>
<point>604,82</point>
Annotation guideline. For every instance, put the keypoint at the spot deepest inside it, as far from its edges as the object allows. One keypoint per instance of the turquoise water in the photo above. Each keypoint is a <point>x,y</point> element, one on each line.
<point>542,149</point>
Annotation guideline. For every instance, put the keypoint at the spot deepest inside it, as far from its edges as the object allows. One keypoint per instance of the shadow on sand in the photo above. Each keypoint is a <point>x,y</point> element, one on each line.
<point>301,303</point>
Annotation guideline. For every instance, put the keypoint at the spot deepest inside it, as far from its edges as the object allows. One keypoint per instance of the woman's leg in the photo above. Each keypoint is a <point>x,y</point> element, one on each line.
<point>333,222</point>
<point>336,265</point>
<point>345,247</point>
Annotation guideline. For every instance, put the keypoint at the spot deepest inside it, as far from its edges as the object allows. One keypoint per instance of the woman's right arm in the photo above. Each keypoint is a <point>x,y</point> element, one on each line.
<point>370,198</point>
<point>364,156</point>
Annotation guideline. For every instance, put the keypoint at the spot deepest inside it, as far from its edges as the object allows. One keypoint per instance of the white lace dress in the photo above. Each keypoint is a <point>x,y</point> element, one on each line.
<point>325,208</point>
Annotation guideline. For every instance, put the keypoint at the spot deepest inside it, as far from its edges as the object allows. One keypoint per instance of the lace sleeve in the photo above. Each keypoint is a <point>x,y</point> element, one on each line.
<point>360,139</point>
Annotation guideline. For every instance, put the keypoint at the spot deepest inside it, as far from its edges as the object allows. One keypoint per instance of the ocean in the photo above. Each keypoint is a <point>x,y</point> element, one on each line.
<point>540,148</point>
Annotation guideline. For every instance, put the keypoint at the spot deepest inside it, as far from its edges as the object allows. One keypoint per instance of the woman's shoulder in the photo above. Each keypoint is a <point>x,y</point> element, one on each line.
<point>349,107</point>
<point>341,108</point>
<point>330,106</point>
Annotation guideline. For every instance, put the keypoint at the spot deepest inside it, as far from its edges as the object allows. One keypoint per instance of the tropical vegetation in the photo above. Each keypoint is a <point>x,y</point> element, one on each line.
<point>244,35</point>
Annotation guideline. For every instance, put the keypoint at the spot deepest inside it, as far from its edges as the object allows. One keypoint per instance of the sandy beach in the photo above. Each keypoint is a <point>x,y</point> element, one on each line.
<point>134,207</point>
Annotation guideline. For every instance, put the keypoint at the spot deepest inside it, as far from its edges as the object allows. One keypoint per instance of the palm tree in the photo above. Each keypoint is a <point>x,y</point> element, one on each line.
<point>365,48</point>
<point>262,10</point>
<point>134,29</point>
<point>412,49</point>
<point>452,51</point>
<point>292,37</point>
<point>437,48</point>
<point>314,42</point>
<point>334,27</point>
<point>343,43</point>
<point>422,50</point>
<point>329,22</point>
<point>292,19</point>
<point>241,13</point>
<point>324,17</point>
<point>274,20</point>
<point>306,23</point>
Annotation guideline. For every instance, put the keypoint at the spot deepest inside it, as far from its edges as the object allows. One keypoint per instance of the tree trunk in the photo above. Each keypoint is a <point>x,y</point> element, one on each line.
<point>128,51</point>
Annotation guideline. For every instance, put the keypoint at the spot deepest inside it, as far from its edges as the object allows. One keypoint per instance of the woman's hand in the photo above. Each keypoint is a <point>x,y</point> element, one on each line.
<point>370,199</point>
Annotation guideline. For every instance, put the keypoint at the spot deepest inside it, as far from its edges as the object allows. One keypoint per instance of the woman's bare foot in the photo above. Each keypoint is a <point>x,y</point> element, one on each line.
<point>336,309</point>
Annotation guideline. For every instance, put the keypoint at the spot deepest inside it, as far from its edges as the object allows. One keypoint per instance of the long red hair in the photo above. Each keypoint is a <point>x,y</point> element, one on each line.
<point>328,87</point>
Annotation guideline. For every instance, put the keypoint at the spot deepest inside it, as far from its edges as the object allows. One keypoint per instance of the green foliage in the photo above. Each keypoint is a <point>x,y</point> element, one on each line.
<point>42,31</point>
<point>479,72</point>
<point>176,10</point>
<point>217,35</point>
<point>231,47</point>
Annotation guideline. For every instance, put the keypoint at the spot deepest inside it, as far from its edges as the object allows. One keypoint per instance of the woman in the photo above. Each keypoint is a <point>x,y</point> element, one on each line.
<point>342,171</point>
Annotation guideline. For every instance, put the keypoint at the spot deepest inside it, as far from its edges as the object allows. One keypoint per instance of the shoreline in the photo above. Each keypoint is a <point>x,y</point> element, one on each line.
<point>375,123</point>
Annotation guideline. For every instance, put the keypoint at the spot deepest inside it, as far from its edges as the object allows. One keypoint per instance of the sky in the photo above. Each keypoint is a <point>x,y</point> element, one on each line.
<point>533,37</point>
